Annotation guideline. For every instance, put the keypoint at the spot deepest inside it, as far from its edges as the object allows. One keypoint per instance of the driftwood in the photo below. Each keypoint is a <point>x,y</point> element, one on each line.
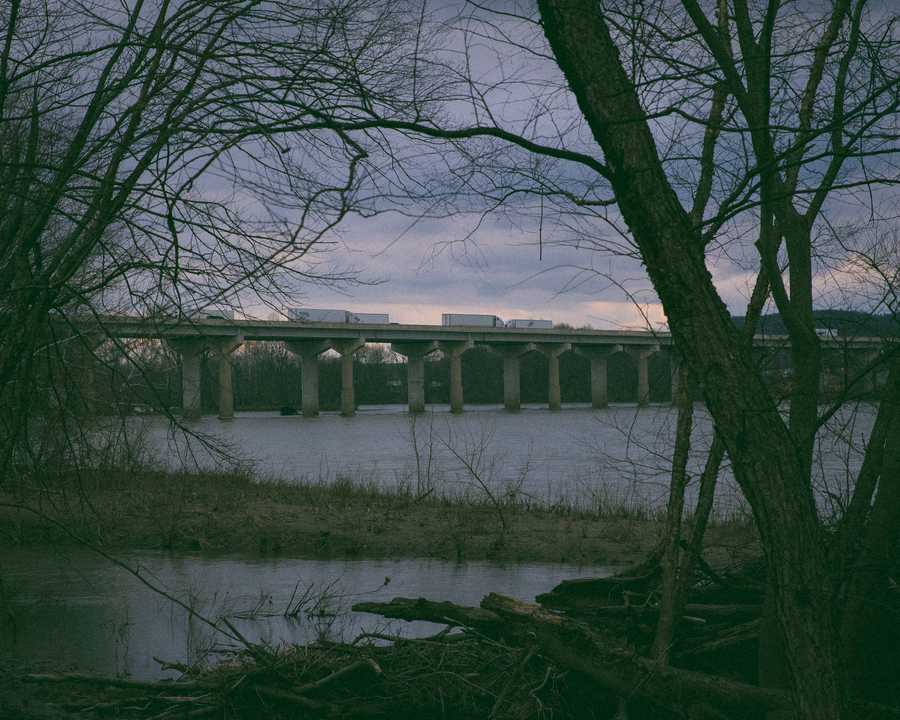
<point>444,613</point>
<point>573,645</point>
<point>651,612</point>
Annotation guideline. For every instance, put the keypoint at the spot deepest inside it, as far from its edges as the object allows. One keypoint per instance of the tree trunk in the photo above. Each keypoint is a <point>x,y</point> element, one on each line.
<point>671,581</point>
<point>764,456</point>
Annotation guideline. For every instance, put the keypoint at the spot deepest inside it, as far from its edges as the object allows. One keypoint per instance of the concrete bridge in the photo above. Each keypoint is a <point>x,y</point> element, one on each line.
<point>308,340</point>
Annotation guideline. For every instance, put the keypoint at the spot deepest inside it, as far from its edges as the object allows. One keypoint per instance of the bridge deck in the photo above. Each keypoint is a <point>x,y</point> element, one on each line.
<point>134,327</point>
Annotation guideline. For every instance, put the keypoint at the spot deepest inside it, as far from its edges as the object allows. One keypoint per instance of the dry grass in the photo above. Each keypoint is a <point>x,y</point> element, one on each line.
<point>229,513</point>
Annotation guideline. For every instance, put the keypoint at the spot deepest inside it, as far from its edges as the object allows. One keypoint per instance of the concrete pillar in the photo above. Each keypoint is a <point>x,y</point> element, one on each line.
<point>86,361</point>
<point>554,392</point>
<point>674,366</point>
<point>598,355</point>
<point>308,351</point>
<point>643,394</point>
<point>511,353</point>
<point>222,350</point>
<point>512,396</point>
<point>454,351</point>
<point>415,353</point>
<point>641,354</point>
<point>871,379</point>
<point>346,349</point>
<point>190,350</point>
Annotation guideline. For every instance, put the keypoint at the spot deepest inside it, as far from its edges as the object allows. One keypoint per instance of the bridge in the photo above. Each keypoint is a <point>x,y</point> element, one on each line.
<point>191,338</point>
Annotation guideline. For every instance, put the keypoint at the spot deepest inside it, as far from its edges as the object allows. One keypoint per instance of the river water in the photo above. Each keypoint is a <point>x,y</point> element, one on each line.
<point>76,608</point>
<point>620,455</point>
<point>79,608</point>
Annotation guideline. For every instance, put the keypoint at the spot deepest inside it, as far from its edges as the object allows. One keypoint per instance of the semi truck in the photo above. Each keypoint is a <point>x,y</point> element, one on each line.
<point>468,320</point>
<point>369,318</point>
<point>530,323</point>
<point>327,315</point>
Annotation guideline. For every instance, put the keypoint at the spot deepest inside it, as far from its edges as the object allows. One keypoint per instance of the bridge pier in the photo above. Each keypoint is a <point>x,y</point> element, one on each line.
<point>554,392</point>
<point>190,351</point>
<point>222,349</point>
<point>675,374</point>
<point>871,379</point>
<point>642,355</point>
<point>511,352</point>
<point>84,360</point>
<point>599,356</point>
<point>415,353</point>
<point>308,351</point>
<point>346,349</point>
<point>454,351</point>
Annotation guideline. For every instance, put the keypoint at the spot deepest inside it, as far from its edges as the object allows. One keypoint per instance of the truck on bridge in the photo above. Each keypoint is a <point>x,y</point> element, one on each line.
<point>530,323</point>
<point>470,320</point>
<point>337,316</point>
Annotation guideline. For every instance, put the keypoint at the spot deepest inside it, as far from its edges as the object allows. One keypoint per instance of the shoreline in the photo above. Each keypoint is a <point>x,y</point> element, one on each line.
<point>226,514</point>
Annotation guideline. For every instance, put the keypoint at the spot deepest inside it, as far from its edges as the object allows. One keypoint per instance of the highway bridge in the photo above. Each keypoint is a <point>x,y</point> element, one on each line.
<point>191,338</point>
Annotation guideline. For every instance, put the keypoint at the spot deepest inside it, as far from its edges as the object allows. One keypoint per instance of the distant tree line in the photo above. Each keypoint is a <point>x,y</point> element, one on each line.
<point>843,323</point>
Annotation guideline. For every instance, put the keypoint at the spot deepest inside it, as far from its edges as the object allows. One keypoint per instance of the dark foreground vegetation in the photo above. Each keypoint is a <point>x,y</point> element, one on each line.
<point>582,652</point>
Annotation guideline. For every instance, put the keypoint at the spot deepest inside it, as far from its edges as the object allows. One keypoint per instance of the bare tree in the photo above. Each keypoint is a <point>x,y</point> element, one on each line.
<point>158,157</point>
<point>725,127</point>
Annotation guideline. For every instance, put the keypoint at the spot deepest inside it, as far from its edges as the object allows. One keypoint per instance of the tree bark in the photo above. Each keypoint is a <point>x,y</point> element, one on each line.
<point>671,565</point>
<point>766,463</point>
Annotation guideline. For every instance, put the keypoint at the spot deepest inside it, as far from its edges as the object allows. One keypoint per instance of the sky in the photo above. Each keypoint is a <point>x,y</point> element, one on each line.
<point>421,269</point>
<point>566,271</point>
<point>425,268</point>
<point>416,276</point>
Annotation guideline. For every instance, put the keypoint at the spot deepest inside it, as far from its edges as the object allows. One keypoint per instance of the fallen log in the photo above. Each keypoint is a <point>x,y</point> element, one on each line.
<point>444,613</point>
<point>601,611</point>
<point>573,645</point>
<point>610,587</point>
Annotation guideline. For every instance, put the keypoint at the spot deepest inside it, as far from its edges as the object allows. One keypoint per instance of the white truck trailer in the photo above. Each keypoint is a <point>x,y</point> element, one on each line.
<point>530,323</point>
<point>466,320</point>
<point>317,315</point>
<point>337,316</point>
<point>369,318</point>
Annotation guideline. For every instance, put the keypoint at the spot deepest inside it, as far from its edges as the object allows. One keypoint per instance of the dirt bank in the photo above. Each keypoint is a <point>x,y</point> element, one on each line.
<point>233,514</point>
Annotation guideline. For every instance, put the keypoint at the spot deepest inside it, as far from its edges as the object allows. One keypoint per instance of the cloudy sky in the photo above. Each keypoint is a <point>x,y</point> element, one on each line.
<point>416,270</point>
<point>422,271</point>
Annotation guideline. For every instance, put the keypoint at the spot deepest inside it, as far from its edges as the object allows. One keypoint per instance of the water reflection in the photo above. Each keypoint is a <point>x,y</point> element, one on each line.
<point>74,607</point>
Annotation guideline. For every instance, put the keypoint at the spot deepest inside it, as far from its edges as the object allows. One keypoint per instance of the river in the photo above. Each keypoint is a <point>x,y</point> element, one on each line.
<point>78,608</point>
<point>75,608</point>
<point>578,456</point>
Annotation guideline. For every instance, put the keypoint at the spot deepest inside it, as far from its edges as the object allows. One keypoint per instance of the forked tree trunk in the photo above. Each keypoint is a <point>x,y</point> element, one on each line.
<point>764,457</point>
